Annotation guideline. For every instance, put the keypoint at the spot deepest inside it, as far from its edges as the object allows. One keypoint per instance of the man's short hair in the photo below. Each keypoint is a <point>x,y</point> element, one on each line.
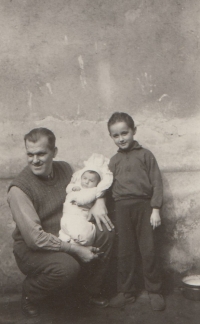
<point>121,117</point>
<point>35,134</point>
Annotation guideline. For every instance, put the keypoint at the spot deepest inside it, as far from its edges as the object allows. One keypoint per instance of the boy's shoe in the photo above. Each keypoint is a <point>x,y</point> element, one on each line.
<point>28,308</point>
<point>121,299</point>
<point>157,301</point>
<point>98,301</point>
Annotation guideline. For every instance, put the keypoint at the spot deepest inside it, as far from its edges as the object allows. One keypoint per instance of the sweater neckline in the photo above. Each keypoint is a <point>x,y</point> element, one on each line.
<point>51,181</point>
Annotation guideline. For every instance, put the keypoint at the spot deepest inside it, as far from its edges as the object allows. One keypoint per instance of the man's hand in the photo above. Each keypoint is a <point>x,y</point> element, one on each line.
<point>99,212</point>
<point>85,253</point>
<point>155,219</point>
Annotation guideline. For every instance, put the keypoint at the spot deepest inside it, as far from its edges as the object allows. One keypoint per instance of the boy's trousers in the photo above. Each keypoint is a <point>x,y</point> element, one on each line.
<point>48,272</point>
<point>133,230</point>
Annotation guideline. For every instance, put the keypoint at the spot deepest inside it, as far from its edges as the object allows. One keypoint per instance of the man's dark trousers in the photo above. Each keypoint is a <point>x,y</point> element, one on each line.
<point>48,272</point>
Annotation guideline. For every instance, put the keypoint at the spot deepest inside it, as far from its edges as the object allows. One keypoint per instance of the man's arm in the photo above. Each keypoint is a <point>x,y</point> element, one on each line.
<point>99,212</point>
<point>29,224</point>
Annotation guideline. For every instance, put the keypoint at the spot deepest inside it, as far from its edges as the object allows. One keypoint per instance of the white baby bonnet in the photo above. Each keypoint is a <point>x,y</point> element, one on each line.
<point>98,163</point>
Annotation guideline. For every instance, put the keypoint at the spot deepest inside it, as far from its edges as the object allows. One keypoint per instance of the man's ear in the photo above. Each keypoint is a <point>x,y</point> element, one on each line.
<point>55,152</point>
<point>135,130</point>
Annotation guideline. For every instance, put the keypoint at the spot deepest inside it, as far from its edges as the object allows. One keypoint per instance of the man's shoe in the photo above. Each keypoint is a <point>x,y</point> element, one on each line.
<point>157,302</point>
<point>28,308</point>
<point>121,299</point>
<point>98,301</point>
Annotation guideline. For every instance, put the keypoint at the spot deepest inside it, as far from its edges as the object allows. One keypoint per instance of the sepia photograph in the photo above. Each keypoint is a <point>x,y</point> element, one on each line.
<point>100,162</point>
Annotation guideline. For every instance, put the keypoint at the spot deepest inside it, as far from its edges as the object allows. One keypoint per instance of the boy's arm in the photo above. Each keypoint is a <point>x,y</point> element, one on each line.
<point>157,196</point>
<point>155,180</point>
<point>155,219</point>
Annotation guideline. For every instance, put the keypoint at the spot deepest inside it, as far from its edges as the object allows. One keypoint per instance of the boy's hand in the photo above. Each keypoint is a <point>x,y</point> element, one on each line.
<point>76,188</point>
<point>99,212</point>
<point>155,219</point>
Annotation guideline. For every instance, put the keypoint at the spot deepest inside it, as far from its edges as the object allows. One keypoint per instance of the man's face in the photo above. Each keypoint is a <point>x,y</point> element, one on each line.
<point>40,157</point>
<point>122,135</point>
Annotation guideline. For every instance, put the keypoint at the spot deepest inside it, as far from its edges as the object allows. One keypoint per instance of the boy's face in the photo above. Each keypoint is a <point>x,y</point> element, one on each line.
<point>89,180</point>
<point>122,135</point>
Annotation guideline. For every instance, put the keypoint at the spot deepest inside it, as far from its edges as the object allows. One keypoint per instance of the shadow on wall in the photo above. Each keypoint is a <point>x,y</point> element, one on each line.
<point>178,237</point>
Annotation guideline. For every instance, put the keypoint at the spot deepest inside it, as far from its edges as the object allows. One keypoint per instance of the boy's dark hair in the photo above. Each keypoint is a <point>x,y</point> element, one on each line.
<point>35,134</point>
<point>95,173</point>
<point>121,117</point>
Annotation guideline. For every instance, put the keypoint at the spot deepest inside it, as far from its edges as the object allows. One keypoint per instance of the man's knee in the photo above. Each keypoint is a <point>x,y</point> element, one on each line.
<point>105,238</point>
<point>64,270</point>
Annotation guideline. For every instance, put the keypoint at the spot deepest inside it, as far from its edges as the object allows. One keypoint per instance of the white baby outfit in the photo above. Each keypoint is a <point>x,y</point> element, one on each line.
<point>76,226</point>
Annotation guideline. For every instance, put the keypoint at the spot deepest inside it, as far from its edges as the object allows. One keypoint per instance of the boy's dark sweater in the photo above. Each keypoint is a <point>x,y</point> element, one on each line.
<point>136,175</point>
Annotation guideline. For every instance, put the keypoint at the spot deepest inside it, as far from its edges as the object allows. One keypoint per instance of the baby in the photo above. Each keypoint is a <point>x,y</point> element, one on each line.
<point>86,186</point>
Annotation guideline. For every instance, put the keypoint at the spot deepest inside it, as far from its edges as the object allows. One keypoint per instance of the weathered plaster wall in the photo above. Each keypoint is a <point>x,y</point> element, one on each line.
<point>68,65</point>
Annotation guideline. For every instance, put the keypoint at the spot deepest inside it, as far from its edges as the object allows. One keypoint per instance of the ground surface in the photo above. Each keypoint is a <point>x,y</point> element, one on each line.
<point>178,311</point>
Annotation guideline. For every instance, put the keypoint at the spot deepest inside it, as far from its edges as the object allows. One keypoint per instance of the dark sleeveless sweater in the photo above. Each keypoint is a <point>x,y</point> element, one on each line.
<point>47,196</point>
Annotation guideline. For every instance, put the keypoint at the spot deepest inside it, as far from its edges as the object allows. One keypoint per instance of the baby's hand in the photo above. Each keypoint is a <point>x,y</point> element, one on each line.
<point>76,188</point>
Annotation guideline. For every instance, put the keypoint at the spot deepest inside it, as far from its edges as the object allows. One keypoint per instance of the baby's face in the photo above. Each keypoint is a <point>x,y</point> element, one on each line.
<point>89,180</point>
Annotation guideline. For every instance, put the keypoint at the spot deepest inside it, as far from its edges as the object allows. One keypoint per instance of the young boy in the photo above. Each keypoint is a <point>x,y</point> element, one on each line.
<point>137,193</point>
<point>86,186</point>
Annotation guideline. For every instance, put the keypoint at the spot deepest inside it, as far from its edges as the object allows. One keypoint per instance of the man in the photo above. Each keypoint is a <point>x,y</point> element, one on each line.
<point>36,198</point>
